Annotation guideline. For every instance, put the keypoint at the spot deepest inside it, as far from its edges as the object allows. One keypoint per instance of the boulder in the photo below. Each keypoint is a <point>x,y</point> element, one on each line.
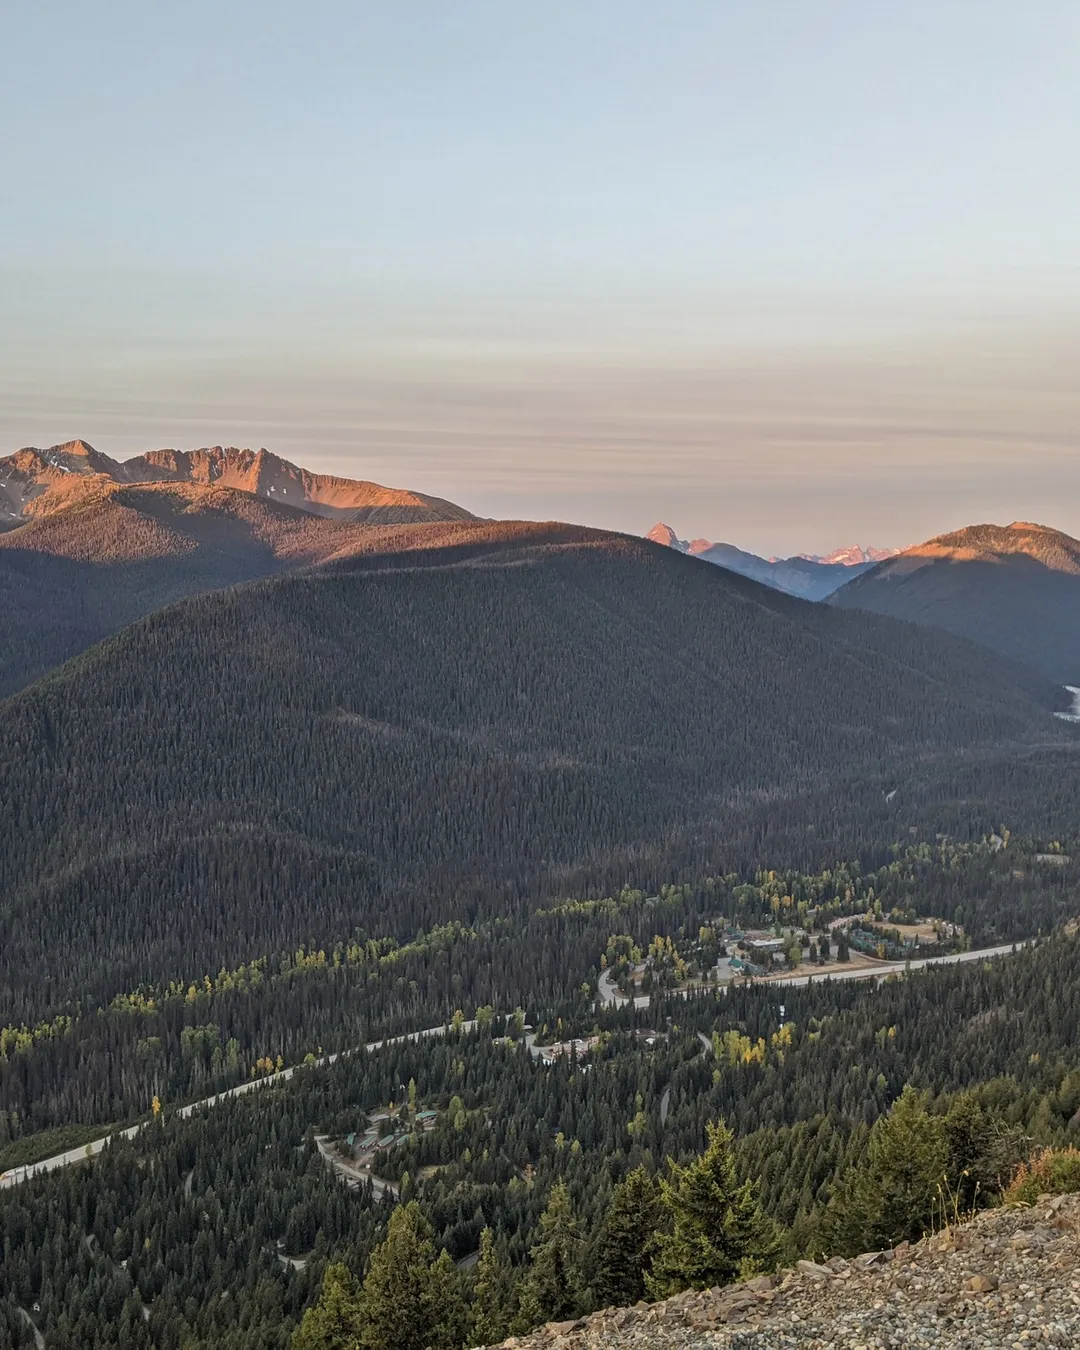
<point>812,1270</point>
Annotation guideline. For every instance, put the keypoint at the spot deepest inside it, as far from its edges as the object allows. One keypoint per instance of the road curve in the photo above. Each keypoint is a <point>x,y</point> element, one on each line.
<point>611,995</point>
<point>17,1175</point>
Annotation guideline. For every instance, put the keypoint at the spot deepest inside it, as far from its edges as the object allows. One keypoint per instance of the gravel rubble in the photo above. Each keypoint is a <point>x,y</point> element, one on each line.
<point>1008,1280</point>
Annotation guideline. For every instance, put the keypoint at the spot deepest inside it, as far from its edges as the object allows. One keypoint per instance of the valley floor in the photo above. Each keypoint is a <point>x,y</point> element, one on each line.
<point>73,1156</point>
<point>608,995</point>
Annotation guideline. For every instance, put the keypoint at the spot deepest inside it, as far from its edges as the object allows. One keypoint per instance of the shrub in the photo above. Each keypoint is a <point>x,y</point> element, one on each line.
<point>1054,1171</point>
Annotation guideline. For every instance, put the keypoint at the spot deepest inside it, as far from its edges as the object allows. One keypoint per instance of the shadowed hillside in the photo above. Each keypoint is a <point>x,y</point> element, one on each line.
<point>1014,588</point>
<point>395,739</point>
<point>112,553</point>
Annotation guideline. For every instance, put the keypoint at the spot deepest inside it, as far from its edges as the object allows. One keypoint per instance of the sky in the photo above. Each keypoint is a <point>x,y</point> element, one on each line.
<point>792,274</point>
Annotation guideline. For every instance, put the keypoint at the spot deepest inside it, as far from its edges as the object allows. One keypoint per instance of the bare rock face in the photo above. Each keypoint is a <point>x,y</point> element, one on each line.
<point>812,1271</point>
<point>36,482</point>
<point>267,475</point>
<point>1010,1278</point>
<point>664,534</point>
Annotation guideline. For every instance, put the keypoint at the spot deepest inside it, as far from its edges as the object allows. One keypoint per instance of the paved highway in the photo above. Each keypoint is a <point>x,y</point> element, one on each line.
<point>606,989</point>
<point>77,1155</point>
<point>896,968</point>
<point>610,994</point>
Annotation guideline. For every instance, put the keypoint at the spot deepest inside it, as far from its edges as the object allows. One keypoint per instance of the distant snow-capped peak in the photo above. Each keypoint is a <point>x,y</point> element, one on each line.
<point>855,556</point>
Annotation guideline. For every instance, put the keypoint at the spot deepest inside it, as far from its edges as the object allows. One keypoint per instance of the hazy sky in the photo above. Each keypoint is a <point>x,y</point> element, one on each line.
<point>788,274</point>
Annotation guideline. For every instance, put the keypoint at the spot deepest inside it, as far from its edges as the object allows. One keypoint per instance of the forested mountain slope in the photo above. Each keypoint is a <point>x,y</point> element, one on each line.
<point>1014,588</point>
<point>89,543</point>
<point>105,553</point>
<point>397,739</point>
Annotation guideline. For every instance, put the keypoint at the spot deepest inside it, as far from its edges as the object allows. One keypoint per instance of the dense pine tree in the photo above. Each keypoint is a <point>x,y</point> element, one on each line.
<point>493,1293</point>
<point>408,1297</point>
<point>627,1240</point>
<point>554,1288</point>
<point>333,1322</point>
<point>892,1196</point>
<point>718,1229</point>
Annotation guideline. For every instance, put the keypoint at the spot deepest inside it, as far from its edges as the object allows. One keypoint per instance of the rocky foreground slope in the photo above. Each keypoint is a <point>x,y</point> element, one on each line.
<point>1010,1278</point>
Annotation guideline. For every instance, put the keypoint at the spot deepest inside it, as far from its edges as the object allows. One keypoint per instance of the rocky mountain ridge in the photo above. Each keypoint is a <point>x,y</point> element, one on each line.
<point>1008,1278</point>
<point>36,482</point>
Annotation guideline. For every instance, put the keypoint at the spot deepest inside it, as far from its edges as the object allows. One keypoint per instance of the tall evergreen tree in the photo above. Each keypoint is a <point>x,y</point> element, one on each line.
<point>492,1293</point>
<point>448,1314</point>
<point>627,1240</point>
<point>983,1153</point>
<point>333,1323</point>
<point>408,1300</point>
<point>554,1288</point>
<point>893,1194</point>
<point>719,1230</point>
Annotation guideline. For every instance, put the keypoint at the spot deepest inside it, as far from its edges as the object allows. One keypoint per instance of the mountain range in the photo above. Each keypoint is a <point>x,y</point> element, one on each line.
<point>89,543</point>
<point>374,761</point>
<point>36,482</point>
<point>806,575</point>
<point>1014,588</point>
<point>854,556</point>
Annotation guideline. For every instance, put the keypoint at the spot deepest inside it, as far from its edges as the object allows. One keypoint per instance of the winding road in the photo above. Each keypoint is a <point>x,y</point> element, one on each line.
<point>665,1100</point>
<point>609,996</point>
<point>17,1175</point>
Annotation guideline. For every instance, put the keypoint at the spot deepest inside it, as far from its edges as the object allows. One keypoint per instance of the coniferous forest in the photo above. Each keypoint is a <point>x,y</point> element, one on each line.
<point>220,1229</point>
<point>396,742</point>
<point>268,826</point>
